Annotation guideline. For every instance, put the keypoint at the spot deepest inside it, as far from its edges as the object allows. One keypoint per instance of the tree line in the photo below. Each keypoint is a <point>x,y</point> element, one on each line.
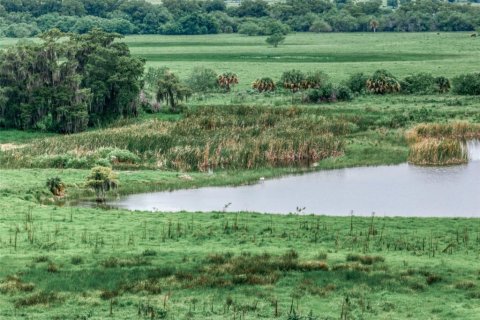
<point>66,83</point>
<point>25,18</point>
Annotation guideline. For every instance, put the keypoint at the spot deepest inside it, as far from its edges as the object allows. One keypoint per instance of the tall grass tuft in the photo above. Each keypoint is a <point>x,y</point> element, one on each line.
<point>433,151</point>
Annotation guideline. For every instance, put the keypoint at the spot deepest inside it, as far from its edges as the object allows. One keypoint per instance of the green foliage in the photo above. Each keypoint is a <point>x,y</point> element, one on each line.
<point>293,80</point>
<point>203,80</point>
<point>467,84</point>
<point>329,93</point>
<point>443,84</point>
<point>357,82</point>
<point>320,25</point>
<point>171,90</point>
<point>425,83</point>
<point>275,39</point>
<point>420,83</point>
<point>382,82</point>
<point>101,180</point>
<point>63,85</point>
<point>56,186</point>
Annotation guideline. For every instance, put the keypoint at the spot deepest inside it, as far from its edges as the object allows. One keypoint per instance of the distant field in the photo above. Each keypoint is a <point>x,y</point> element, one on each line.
<point>338,54</point>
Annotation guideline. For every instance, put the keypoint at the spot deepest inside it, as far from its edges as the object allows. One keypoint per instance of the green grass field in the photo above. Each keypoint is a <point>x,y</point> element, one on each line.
<point>67,262</point>
<point>337,54</point>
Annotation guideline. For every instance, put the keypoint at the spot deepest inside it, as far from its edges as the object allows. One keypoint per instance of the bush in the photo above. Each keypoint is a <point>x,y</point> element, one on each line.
<point>203,80</point>
<point>250,28</point>
<point>443,84</point>
<point>467,84</point>
<point>227,80</point>
<point>315,80</point>
<point>421,83</point>
<point>343,93</point>
<point>357,82</point>
<point>320,25</point>
<point>115,155</point>
<point>329,93</point>
<point>264,85</point>
<point>382,82</point>
<point>56,186</point>
<point>293,80</point>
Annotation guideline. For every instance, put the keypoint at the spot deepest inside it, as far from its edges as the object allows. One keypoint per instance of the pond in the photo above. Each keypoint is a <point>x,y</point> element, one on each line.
<point>400,190</point>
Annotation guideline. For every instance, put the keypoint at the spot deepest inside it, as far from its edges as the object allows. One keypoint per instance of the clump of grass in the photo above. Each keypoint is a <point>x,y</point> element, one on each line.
<point>52,268</point>
<point>41,259</point>
<point>13,284</point>
<point>149,253</point>
<point>149,286</point>
<point>42,297</point>
<point>465,285</point>
<point>109,294</point>
<point>367,260</point>
<point>322,256</point>
<point>433,278</point>
<point>114,262</point>
<point>433,151</point>
<point>76,260</point>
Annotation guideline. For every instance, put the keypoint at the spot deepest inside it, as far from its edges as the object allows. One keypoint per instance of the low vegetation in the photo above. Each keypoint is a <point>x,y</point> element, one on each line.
<point>217,265</point>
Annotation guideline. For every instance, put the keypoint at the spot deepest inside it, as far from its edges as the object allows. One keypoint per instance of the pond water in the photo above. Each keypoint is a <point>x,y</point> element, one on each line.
<point>400,190</point>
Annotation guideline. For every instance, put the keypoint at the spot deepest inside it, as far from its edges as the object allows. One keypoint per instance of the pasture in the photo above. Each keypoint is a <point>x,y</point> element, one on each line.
<point>337,54</point>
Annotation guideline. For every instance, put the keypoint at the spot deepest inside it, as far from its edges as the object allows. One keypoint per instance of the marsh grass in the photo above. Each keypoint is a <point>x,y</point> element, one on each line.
<point>235,137</point>
<point>441,143</point>
<point>438,152</point>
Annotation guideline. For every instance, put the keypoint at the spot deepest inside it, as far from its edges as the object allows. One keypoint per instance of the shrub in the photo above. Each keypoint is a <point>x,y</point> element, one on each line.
<point>382,82</point>
<point>320,25</point>
<point>357,82</point>
<point>467,84</point>
<point>56,186</point>
<point>250,28</point>
<point>292,80</point>
<point>315,80</point>
<point>101,180</point>
<point>443,84</point>
<point>329,93</point>
<point>264,85</point>
<point>122,156</point>
<point>227,80</point>
<point>343,93</point>
<point>203,80</point>
<point>421,83</point>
